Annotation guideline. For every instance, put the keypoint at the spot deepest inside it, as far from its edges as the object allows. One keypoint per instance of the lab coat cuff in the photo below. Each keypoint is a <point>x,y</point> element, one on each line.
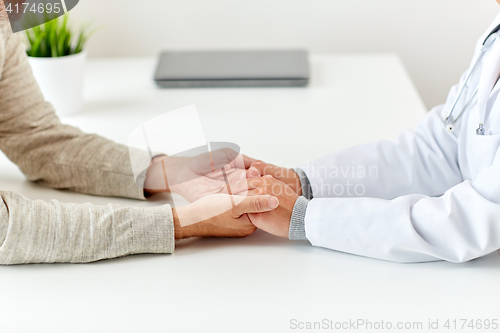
<point>297,229</point>
<point>305,184</point>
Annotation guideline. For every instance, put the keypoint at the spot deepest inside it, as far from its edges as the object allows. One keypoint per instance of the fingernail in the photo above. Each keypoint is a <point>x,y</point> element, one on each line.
<point>253,173</point>
<point>273,202</point>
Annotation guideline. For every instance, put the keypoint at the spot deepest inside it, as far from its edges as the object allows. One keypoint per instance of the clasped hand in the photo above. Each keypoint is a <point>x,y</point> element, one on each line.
<point>282,183</point>
<point>263,195</point>
<point>199,176</point>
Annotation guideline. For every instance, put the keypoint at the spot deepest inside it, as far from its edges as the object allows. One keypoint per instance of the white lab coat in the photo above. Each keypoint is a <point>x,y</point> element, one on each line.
<point>429,195</point>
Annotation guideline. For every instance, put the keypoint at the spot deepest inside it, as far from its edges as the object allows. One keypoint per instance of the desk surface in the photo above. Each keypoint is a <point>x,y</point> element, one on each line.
<point>260,283</point>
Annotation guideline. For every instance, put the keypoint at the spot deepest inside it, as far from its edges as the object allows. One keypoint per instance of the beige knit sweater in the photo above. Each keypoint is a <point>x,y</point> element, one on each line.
<point>63,157</point>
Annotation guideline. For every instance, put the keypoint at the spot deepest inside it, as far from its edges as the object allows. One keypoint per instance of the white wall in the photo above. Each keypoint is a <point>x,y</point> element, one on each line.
<point>435,38</point>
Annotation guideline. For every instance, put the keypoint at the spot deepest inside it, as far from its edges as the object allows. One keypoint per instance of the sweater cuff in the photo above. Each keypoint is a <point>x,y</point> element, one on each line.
<point>153,230</point>
<point>140,161</point>
<point>297,222</point>
<point>305,184</point>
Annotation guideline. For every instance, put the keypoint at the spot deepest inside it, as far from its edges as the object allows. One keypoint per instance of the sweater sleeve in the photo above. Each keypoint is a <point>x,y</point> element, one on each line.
<point>48,232</point>
<point>46,151</point>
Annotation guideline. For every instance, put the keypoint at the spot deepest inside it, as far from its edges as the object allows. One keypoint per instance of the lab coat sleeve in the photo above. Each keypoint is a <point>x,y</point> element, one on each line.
<point>423,161</point>
<point>458,226</point>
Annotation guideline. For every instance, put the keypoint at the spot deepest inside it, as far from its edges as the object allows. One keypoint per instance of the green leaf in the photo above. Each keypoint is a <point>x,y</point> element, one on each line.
<point>36,47</point>
<point>56,38</point>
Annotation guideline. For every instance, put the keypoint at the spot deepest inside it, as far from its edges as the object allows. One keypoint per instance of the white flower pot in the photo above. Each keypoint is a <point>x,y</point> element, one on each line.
<point>61,81</point>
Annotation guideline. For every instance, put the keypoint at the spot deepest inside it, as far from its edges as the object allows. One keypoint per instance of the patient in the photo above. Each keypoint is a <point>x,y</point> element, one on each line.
<point>63,157</point>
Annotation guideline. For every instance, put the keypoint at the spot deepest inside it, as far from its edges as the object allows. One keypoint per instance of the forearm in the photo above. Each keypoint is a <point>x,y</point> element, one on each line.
<point>47,151</point>
<point>181,232</point>
<point>42,232</point>
<point>63,157</point>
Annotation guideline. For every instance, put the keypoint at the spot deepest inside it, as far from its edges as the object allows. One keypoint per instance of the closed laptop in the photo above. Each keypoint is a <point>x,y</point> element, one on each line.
<point>282,68</point>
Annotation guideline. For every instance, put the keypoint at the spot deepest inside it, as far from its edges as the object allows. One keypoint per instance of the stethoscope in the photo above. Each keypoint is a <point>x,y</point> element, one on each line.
<point>488,42</point>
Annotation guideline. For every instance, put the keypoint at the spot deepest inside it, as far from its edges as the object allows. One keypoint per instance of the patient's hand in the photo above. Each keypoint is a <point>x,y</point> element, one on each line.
<point>276,222</point>
<point>194,177</point>
<point>216,216</point>
<point>287,176</point>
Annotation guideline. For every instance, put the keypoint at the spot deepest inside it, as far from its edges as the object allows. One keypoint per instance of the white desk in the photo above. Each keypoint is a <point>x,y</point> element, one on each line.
<point>260,283</point>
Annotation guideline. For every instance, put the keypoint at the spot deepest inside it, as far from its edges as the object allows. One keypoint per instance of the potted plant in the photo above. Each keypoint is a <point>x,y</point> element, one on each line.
<point>57,57</point>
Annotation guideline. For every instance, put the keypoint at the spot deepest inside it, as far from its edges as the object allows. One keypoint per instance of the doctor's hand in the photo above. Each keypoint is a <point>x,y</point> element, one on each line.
<point>276,222</point>
<point>216,216</point>
<point>287,176</point>
<point>198,176</point>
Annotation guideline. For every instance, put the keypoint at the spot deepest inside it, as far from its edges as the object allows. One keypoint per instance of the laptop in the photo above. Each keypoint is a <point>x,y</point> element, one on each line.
<point>284,68</point>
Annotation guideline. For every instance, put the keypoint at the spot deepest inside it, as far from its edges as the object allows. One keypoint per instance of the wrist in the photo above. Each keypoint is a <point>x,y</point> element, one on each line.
<point>305,184</point>
<point>296,184</point>
<point>156,177</point>
<point>181,232</point>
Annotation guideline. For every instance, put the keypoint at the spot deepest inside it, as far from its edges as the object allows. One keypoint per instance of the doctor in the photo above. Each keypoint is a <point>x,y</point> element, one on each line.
<point>431,194</point>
